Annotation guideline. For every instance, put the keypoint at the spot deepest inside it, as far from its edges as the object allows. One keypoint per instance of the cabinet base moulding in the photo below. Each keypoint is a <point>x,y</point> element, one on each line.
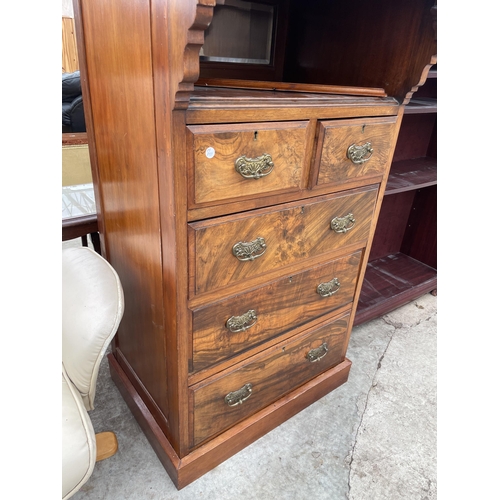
<point>185,470</point>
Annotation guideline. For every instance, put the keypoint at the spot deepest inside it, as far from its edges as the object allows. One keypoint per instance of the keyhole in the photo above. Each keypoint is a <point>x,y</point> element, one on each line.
<point>255,135</point>
<point>363,129</point>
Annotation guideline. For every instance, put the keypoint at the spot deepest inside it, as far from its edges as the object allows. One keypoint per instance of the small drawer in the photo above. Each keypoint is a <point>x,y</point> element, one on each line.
<point>242,322</point>
<point>249,159</point>
<point>233,249</point>
<point>221,403</point>
<point>354,149</point>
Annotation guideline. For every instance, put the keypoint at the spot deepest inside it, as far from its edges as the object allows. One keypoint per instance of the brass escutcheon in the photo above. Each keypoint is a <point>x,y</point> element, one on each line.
<point>250,250</point>
<point>237,397</point>
<point>243,322</point>
<point>343,224</point>
<point>316,354</point>
<point>254,168</point>
<point>359,154</point>
<point>329,288</point>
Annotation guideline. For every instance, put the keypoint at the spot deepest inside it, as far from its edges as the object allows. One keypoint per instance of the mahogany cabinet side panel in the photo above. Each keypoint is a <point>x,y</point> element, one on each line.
<point>120,85</point>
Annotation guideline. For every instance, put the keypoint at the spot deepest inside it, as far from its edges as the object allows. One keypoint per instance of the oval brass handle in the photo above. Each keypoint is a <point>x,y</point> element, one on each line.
<point>250,250</point>
<point>237,397</point>
<point>254,168</point>
<point>343,224</point>
<point>329,288</point>
<point>359,154</point>
<point>243,322</point>
<point>316,354</point>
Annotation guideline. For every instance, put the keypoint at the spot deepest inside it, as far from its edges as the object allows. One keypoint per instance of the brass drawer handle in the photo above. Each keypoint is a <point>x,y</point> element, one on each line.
<point>343,224</point>
<point>237,397</point>
<point>316,354</point>
<point>243,322</point>
<point>359,154</point>
<point>329,288</point>
<point>254,168</point>
<point>250,250</point>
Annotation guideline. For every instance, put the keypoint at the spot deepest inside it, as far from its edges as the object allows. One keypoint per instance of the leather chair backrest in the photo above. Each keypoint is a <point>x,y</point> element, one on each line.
<point>92,308</point>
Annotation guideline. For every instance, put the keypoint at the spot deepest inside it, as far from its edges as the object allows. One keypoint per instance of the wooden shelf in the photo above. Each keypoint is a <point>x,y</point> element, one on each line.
<point>391,282</point>
<point>422,105</point>
<point>407,175</point>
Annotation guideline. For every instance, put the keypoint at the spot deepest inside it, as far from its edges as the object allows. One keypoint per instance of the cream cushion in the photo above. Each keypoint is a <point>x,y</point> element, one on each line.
<point>92,305</point>
<point>79,450</point>
<point>92,308</point>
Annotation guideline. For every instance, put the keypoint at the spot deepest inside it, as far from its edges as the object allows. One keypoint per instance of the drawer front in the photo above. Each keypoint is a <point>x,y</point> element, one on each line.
<point>279,370</point>
<point>239,323</point>
<point>230,251</point>
<point>354,149</point>
<point>252,159</point>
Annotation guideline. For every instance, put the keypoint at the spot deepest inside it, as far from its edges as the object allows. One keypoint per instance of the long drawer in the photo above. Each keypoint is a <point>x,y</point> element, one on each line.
<point>239,323</point>
<point>245,159</point>
<point>220,403</point>
<point>232,249</point>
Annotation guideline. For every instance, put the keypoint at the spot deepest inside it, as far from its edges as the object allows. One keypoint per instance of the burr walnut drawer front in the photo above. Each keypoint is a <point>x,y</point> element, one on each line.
<point>233,249</point>
<point>236,324</point>
<point>219,404</point>
<point>354,149</point>
<point>249,159</point>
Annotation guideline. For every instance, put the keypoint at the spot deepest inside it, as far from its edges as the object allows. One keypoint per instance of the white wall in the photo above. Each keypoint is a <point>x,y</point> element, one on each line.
<point>67,8</point>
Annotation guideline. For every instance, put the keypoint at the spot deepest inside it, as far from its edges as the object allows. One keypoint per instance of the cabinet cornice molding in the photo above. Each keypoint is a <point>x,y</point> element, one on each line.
<point>185,44</point>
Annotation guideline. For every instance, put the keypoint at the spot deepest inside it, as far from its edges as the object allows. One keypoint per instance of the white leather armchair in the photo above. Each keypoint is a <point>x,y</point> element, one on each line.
<point>92,308</point>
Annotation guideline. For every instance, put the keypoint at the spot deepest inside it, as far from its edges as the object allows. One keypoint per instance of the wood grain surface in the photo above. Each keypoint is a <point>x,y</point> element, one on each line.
<point>336,136</point>
<point>215,176</point>
<point>272,374</point>
<point>279,306</point>
<point>291,233</point>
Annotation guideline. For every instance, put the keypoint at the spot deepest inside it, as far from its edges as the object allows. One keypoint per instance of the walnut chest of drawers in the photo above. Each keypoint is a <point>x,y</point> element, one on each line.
<point>239,221</point>
<point>279,218</point>
<point>272,214</point>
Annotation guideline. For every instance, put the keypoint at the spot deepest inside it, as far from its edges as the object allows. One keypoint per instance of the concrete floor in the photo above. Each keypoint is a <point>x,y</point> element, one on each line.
<point>372,438</point>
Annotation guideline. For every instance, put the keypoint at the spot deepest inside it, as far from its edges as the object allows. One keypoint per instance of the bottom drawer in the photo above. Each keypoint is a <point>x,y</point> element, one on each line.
<point>220,403</point>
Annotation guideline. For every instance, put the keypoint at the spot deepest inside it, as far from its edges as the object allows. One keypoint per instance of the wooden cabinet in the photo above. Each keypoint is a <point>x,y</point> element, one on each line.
<point>403,259</point>
<point>240,214</point>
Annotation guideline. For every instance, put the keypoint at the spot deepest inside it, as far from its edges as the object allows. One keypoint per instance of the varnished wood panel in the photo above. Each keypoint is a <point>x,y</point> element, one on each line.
<point>363,43</point>
<point>411,174</point>
<point>289,87</point>
<point>391,224</point>
<point>291,233</point>
<point>390,282</point>
<point>70,61</point>
<point>272,374</point>
<point>414,136</point>
<point>213,171</point>
<point>120,81</point>
<point>335,138</point>
<point>420,240</point>
<point>279,306</point>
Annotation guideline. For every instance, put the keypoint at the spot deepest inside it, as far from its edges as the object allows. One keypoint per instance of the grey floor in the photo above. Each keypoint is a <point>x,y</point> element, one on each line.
<point>373,438</point>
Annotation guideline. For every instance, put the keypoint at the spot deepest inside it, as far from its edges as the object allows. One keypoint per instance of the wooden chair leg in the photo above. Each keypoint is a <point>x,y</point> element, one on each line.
<point>106,445</point>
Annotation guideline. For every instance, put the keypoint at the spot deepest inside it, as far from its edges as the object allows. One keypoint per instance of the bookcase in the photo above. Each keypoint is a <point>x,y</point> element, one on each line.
<point>403,259</point>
